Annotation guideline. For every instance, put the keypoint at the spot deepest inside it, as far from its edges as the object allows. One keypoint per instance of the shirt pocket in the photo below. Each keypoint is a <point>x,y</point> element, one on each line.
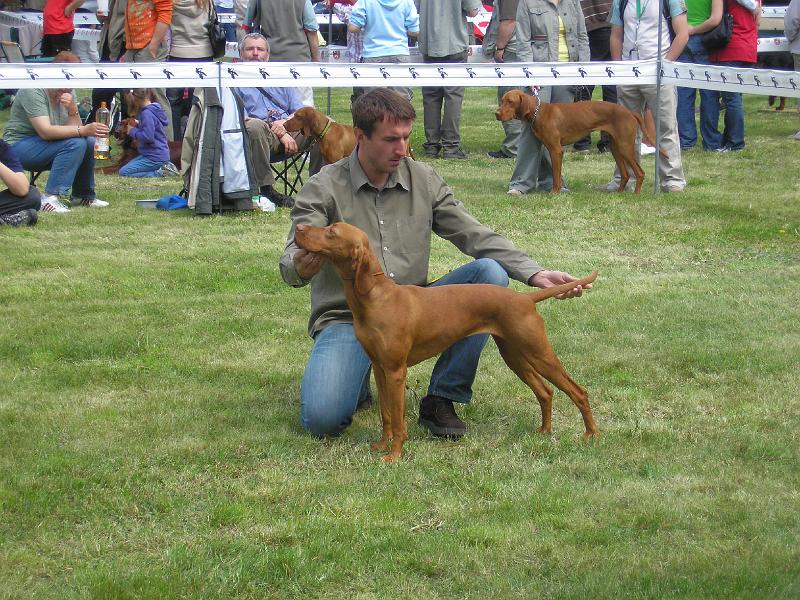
<point>412,235</point>
<point>540,47</point>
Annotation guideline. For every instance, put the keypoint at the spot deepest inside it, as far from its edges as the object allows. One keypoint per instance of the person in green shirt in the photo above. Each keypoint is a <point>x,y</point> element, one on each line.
<point>46,133</point>
<point>399,203</point>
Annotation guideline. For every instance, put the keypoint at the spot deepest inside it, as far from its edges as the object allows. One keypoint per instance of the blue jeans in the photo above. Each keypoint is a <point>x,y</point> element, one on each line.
<point>337,373</point>
<point>70,162</point>
<point>732,136</point>
<point>695,52</point>
<point>141,167</point>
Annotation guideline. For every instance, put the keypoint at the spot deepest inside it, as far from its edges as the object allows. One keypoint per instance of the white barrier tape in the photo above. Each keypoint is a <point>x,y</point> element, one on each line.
<point>732,79</point>
<point>773,12</point>
<point>26,18</point>
<point>250,74</point>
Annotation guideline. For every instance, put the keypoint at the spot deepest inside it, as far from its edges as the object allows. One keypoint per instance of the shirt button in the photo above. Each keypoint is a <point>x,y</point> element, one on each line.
<point>391,275</point>
<point>381,222</point>
<point>385,249</point>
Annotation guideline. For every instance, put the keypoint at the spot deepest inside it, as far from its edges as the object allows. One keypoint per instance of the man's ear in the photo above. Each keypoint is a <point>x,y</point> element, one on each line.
<point>360,135</point>
<point>363,280</point>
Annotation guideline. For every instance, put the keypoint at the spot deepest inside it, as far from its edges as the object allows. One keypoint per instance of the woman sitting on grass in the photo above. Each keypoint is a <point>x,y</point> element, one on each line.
<point>46,133</point>
<point>151,140</point>
<point>21,201</point>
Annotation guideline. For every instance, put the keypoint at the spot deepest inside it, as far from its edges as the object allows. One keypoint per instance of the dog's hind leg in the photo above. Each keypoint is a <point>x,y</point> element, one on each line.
<point>621,165</point>
<point>555,374</point>
<point>523,370</point>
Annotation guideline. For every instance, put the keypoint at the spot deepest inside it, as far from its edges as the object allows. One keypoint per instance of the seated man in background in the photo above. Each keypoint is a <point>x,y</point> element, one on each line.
<point>267,109</point>
<point>21,201</point>
<point>46,133</point>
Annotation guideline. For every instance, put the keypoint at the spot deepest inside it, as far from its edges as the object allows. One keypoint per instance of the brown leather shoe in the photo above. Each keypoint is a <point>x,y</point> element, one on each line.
<point>438,416</point>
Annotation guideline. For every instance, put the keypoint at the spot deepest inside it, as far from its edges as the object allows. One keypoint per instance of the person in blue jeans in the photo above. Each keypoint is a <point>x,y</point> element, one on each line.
<point>399,203</point>
<point>703,16</point>
<point>150,136</point>
<point>46,133</point>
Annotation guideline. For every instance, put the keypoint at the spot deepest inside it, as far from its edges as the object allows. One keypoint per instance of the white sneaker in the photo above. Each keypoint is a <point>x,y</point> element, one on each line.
<point>645,149</point>
<point>51,203</point>
<point>168,169</point>
<point>92,202</point>
<point>513,192</point>
<point>613,186</point>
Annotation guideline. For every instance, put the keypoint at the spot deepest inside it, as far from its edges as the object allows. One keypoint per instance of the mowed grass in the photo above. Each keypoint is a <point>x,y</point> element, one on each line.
<point>150,366</point>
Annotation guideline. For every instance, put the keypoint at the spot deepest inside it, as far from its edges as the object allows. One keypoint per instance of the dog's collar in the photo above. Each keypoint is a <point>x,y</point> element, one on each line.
<point>536,110</point>
<point>325,129</point>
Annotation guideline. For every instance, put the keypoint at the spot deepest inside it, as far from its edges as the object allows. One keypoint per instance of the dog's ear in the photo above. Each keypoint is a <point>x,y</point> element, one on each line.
<point>363,280</point>
<point>525,110</point>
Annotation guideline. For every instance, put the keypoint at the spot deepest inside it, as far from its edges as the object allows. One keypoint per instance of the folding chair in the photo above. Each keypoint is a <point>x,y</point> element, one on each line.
<point>288,170</point>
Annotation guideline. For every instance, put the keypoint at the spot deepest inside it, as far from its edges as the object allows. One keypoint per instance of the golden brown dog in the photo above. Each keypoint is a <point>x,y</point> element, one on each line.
<point>401,325</point>
<point>335,140</point>
<point>559,124</point>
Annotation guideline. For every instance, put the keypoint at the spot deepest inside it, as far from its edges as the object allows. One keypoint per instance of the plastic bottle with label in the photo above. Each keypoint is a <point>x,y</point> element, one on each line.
<point>101,145</point>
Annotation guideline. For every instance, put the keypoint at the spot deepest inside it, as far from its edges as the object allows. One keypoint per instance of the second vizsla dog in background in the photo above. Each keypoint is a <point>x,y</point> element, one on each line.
<point>335,139</point>
<point>559,124</point>
<point>402,325</point>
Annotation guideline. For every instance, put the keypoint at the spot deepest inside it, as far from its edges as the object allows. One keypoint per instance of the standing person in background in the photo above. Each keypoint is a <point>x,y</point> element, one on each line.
<point>741,51</point>
<point>596,14</point>
<point>86,49</point>
<point>556,32</point>
<point>58,27</point>
<point>112,46</point>
<point>355,39</point>
<point>146,26</point>
<point>791,26</point>
<point>190,43</point>
<point>501,44</point>
<point>443,38</point>
<point>290,27</point>
<point>634,36</point>
<point>225,7</point>
<point>387,25</point>
<point>703,16</point>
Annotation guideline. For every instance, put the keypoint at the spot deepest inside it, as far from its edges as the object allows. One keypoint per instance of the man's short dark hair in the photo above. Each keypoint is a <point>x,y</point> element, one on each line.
<point>378,105</point>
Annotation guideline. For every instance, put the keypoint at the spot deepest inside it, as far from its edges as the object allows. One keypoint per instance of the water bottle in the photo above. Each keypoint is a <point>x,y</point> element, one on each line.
<point>101,145</point>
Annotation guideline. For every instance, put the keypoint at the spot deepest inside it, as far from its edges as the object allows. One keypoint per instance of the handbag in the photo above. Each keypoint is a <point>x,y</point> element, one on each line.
<point>721,34</point>
<point>216,32</point>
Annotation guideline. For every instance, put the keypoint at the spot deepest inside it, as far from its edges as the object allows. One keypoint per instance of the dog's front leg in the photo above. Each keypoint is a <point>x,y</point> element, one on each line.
<point>386,417</point>
<point>556,157</point>
<point>396,406</point>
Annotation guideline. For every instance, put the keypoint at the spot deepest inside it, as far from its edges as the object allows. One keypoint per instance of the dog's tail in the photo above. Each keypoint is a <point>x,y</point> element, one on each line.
<point>555,290</point>
<point>648,132</point>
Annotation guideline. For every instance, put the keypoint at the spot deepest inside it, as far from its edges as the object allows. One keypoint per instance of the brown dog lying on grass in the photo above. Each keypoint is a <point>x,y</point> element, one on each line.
<point>335,140</point>
<point>556,125</point>
<point>402,325</point>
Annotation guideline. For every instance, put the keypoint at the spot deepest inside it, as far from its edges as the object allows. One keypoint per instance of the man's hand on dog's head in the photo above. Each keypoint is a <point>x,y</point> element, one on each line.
<point>307,264</point>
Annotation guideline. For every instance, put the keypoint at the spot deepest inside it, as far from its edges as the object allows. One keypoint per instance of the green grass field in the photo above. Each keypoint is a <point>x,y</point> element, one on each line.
<point>149,399</point>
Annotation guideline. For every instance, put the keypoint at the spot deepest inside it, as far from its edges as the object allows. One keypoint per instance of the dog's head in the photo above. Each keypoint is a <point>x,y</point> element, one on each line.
<point>306,119</point>
<point>515,104</point>
<point>124,128</point>
<point>346,247</point>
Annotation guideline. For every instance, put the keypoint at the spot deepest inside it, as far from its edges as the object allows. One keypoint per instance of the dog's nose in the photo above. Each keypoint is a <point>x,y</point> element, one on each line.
<point>300,228</point>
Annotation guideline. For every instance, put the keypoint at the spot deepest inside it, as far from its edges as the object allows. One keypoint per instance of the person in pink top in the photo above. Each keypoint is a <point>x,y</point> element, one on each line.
<point>741,51</point>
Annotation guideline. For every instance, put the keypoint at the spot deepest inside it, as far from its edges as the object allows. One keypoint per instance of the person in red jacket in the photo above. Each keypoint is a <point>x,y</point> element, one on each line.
<point>741,51</point>
<point>58,27</point>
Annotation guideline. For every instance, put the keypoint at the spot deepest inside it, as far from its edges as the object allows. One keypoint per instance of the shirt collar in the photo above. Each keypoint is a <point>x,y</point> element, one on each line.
<point>399,178</point>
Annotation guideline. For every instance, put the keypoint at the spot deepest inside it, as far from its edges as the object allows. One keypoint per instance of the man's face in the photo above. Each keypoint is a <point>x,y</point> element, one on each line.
<point>381,152</point>
<point>255,51</point>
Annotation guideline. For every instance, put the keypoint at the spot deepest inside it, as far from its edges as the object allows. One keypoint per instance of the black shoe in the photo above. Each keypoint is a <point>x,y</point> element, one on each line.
<point>438,416</point>
<point>365,402</point>
<point>276,197</point>
<point>21,218</point>
<point>431,153</point>
<point>603,148</point>
<point>498,154</point>
<point>458,154</point>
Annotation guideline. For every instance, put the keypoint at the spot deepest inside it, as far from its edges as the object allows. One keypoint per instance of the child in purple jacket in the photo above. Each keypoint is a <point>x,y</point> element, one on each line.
<point>153,159</point>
